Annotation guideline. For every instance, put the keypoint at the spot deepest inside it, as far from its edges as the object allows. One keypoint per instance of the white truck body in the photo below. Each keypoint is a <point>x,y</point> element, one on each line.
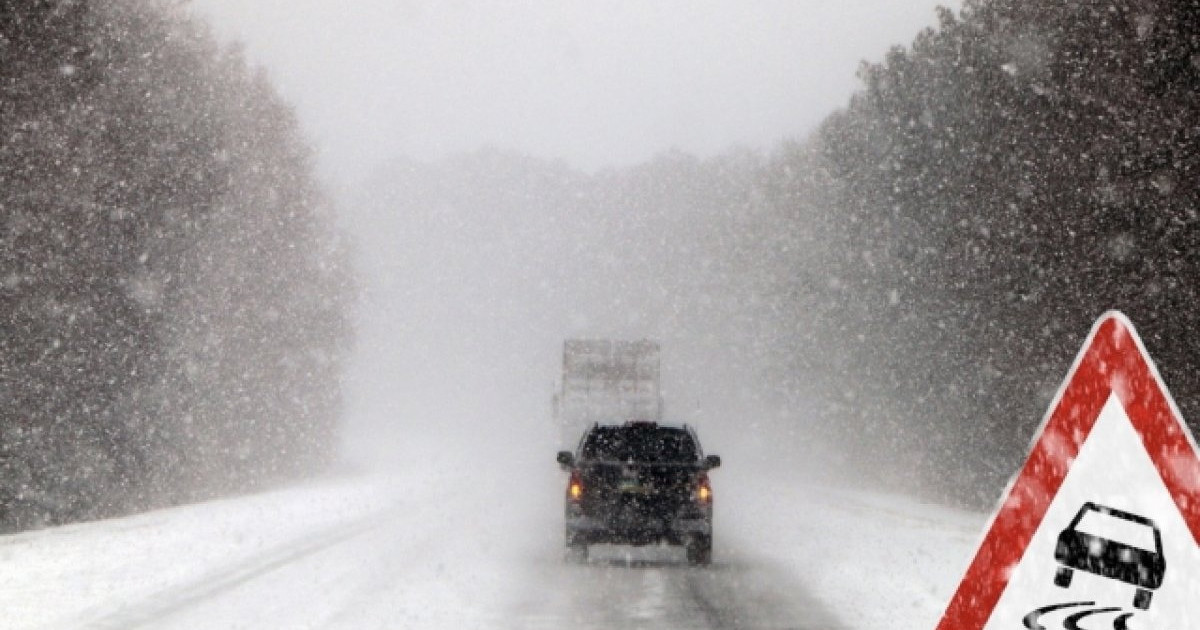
<point>608,382</point>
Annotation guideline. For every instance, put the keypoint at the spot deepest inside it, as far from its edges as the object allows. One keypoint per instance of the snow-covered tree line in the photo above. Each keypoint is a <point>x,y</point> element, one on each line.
<point>172,292</point>
<point>1015,172</point>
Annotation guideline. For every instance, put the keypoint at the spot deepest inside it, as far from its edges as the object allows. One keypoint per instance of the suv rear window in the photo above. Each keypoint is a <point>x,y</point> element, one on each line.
<point>661,445</point>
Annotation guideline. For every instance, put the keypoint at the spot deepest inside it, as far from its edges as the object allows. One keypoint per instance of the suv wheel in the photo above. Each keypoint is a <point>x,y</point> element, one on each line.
<point>699,550</point>
<point>577,552</point>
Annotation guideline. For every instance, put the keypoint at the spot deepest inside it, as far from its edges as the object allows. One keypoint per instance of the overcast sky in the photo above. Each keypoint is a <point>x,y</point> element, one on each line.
<point>596,83</point>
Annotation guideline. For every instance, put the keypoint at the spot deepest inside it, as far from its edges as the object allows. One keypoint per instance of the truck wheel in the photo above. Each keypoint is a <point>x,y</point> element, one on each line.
<point>699,550</point>
<point>1062,577</point>
<point>1141,599</point>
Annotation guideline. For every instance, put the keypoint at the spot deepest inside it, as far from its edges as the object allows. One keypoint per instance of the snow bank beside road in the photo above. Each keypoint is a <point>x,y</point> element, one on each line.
<point>879,562</point>
<point>87,574</point>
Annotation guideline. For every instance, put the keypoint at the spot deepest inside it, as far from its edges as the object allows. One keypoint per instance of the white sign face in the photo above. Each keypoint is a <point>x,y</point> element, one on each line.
<point>1127,523</point>
<point>1100,527</point>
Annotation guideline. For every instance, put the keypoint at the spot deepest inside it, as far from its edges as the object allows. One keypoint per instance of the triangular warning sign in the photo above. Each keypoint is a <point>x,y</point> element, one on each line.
<point>1101,526</point>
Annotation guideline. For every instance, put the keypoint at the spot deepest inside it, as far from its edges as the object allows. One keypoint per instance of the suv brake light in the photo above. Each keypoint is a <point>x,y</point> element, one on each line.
<point>703,490</point>
<point>575,487</point>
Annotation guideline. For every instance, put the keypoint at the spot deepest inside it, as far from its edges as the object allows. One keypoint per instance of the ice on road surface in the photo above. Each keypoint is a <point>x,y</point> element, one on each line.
<point>468,551</point>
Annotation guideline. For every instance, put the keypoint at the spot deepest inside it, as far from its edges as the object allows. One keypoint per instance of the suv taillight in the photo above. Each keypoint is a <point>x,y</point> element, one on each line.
<point>703,490</point>
<point>575,487</point>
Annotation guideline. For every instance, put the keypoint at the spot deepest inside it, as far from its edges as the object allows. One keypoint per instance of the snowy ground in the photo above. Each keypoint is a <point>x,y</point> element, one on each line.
<point>471,550</point>
<point>880,561</point>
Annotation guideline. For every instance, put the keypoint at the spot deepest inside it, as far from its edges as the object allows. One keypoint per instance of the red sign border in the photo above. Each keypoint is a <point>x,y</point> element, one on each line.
<point>1113,360</point>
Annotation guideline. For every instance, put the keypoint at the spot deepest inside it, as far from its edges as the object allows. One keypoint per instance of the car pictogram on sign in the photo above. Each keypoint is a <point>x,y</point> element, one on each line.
<point>1113,544</point>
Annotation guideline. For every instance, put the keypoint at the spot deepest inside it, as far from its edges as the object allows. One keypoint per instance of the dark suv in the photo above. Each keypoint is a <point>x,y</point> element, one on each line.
<point>639,483</point>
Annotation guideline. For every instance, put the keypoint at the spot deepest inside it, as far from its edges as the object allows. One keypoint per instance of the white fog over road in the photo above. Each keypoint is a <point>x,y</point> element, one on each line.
<point>300,298</point>
<point>448,510</point>
<point>465,304</point>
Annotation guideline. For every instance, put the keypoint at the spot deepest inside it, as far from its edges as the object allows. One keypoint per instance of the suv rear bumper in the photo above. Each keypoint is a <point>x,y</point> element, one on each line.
<point>587,530</point>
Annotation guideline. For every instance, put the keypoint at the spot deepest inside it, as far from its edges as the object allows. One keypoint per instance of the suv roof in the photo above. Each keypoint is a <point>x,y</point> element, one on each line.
<point>641,441</point>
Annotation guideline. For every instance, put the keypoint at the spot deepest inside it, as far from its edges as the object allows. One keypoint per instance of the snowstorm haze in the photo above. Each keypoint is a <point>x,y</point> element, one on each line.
<point>471,283</point>
<point>495,259</point>
<point>595,84</point>
<point>301,273</point>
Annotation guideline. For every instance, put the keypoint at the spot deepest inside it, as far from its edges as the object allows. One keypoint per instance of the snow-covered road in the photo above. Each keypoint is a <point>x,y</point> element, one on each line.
<point>654,588</point>
<point>458,551</point>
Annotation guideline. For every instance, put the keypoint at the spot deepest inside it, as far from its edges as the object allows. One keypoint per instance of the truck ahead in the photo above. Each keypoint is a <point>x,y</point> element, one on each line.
<point>606,381</point>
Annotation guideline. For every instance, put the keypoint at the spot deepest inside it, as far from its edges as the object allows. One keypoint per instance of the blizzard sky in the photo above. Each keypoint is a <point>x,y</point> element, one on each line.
<point>449,337</point>
<point>596,84</point>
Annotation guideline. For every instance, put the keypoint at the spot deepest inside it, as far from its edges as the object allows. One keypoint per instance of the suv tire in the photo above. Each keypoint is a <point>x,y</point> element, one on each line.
<point>699,550</point>
<point>576,552</point>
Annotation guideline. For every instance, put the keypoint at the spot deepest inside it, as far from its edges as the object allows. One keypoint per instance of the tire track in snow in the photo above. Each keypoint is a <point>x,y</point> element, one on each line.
<point>655,588</point>
<point>359,608</point>
<point>754,595</point>
<point>177,598</point>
